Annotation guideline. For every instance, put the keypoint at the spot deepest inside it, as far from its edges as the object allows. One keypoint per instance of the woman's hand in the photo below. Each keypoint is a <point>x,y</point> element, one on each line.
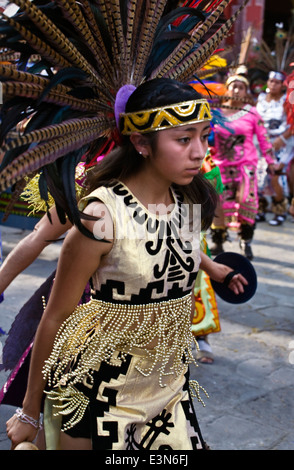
<point>237,282</point>
<point>18,432</point>
<point>218,272</point>
<point>278,168</point>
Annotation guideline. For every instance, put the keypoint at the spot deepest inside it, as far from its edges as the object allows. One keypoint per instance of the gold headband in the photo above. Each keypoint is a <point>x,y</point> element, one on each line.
<point>239,78</point>
<point>164,117</point>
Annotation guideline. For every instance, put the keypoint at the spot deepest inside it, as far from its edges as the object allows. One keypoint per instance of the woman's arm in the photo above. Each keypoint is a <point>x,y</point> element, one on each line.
<point>79,259</point>
<point>30,247</point>
<point>281,140</point>
<point>265,145</point>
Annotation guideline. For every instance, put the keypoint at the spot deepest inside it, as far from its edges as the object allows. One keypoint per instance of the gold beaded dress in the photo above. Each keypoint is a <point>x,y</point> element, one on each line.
<point>129,348</point>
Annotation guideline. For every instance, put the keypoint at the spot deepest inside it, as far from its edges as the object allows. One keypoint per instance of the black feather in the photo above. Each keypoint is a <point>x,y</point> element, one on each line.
<point>168,19</point>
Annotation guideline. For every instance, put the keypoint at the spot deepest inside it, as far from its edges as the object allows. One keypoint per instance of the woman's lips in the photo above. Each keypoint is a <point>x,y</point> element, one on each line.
<point>193,171</point>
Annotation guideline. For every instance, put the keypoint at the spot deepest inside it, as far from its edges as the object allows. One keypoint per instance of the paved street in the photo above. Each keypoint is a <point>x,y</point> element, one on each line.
<point>251,383</point>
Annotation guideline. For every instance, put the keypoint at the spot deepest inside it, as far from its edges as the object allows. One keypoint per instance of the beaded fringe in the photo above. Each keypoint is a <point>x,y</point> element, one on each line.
<point>97,329</point>
<point>195,388</point>
<point>69,401</point>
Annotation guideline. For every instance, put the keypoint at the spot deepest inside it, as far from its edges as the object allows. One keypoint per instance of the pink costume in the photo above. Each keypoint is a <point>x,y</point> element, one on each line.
<point>236,155</point>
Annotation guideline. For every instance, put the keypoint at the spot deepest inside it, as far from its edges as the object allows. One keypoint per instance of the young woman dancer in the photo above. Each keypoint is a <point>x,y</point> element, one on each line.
<point>116,369</point>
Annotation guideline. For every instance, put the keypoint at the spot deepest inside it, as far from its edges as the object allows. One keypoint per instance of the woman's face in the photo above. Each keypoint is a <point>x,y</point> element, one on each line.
<point>237,90</point>
<point>179,152</point>
<point>275,86</point>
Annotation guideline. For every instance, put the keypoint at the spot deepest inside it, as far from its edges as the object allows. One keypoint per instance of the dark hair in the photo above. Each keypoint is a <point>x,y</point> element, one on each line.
<point>125,161</point>
<point>160,92</point>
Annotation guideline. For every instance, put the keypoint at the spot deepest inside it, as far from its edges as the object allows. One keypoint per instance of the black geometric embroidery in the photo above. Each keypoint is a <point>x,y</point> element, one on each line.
<point>131,444</point>
<point>98,408</point>
<point>107,290</point>
<point>146,294</point>
<point>227,146</point>
<point>158,425</point>
<point>191,418</point>
<point>177,251</point>
<point>178,263</point>
<point>188,407</point>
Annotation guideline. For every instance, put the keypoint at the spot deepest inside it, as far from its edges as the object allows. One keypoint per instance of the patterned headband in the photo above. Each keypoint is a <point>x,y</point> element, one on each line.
<point>277,75</point>
<point>239,78</point>
<point>165,117</point>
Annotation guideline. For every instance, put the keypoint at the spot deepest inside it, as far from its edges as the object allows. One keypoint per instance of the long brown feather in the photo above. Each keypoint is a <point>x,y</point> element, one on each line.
<point>44,154</point>
<point>30,90</point>
<point>148,28</point>
<point>133,27</point>
<point>57,38</point>
<point>196,59</point>
<point>13,74</point>
<point>55,59</point>
<point>106,10</point>
<point>187,44</point>
<point>245,46</point>
<point>105,62</point>
<point>73,14</point>
<point>265,56</point>
<point>14,199</point>
<point>53,131</point>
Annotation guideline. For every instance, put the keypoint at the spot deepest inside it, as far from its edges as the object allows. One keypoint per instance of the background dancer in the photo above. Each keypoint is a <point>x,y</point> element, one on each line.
<point>271,107</point>
<point>236,155</point>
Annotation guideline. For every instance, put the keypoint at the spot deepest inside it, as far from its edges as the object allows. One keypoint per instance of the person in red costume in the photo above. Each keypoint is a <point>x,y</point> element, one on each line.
<point>289,109</point>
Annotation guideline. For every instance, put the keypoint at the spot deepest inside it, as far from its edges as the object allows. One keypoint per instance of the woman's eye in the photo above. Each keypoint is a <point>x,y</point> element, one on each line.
<point>184,140</point>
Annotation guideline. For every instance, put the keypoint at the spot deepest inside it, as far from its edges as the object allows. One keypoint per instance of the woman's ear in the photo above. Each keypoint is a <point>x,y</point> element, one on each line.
<point>141,143</point>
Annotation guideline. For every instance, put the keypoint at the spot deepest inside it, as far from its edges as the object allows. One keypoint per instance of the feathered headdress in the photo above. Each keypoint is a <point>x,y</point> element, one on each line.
<point>84,53</point>
<point>278,58</point>
<point>236,68</point>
